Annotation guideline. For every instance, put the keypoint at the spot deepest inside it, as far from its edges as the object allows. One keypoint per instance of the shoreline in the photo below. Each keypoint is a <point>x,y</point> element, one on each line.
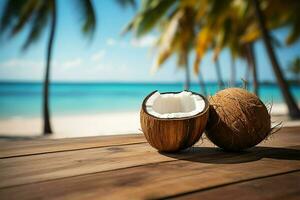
<point>106,123</point>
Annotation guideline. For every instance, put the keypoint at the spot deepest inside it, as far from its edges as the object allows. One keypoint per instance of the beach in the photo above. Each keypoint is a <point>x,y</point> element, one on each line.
<point>91,109</point>
<point>109,123</point>
<point>106,123</point>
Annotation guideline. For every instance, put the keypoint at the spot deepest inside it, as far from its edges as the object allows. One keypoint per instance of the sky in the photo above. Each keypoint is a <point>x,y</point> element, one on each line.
<point>110,57</point>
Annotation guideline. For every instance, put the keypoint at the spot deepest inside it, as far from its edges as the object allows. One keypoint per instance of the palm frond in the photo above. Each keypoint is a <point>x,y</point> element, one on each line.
<point>131,25</point>
<point>168,41</point>
<point>251,33</point>
<point>203,41</point>
<point>27,11</point>
<point>11,11</point>
<point>294,34</point>
<point>126,3</point>
<point>148,18</point>
<point>38,24</point>
<point>161,57</point>
<point>217,9</point>
<point>89,17</point>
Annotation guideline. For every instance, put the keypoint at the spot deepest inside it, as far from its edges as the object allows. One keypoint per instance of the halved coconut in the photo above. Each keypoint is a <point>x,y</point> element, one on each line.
<point>173,121</point>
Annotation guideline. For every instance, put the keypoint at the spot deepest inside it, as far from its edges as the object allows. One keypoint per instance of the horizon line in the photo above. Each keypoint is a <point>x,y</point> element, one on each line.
<point>120,82</point>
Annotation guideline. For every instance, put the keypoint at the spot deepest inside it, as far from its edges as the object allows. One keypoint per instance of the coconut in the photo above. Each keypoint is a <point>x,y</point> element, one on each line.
<point>238,119</point>
<point>173,121</point>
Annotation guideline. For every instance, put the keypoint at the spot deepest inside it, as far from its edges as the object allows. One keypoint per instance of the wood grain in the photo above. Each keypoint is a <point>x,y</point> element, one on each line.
<point>153,180</point>
<point>41,167</point>
<point>37,146</point>
<point>23,147</point>
<point>130,170</point>
<point>49,166</point>
<point>283,186</point>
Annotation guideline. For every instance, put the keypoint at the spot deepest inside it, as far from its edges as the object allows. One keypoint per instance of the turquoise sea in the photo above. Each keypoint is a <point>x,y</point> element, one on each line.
<point>20,99</point>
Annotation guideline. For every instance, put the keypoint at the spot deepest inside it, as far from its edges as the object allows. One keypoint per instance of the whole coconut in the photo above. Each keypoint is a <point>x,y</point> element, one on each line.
<point>238,119</point>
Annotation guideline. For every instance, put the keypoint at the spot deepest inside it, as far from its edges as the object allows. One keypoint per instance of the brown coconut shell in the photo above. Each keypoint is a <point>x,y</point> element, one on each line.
<point>238,119</point>
<point>175,134</point>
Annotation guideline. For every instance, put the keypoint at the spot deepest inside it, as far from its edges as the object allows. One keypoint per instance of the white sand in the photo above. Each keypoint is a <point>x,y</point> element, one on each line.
<point>99,124</point>
<point>74,125</point>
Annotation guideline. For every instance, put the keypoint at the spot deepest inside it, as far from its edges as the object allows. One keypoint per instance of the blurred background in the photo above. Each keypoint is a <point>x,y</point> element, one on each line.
<point>80,68</point>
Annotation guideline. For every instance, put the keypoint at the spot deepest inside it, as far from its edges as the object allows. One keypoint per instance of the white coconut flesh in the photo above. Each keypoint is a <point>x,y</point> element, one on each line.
<point>175,105</point>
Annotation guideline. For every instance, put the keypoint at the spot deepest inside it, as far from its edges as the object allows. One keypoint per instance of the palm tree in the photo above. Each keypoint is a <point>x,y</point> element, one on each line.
<point>290,101</point>
<point>218,73</point>
<point>202,84</point>
<point>294,68</point>
<point>215,59</point>
<point>233,71</point>
<point>37,14</point>
<point>179,32</point>
<point>176,27</point>
<point>253,67</point>
<point>232,24</point>
<point>218,30</point>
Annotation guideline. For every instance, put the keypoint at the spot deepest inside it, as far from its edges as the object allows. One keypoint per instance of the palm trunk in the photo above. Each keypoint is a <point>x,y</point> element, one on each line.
<point>253,67</point>
<point>247,73</point>
<point>46,113</point>
<point>202,84</point>
<point>232,79</point>
<point>294,111</point>
<point>219,75</point>
<point>187,74</point>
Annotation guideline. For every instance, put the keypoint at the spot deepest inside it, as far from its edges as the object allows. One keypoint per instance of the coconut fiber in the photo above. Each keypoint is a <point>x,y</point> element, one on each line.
<point>238,119</point>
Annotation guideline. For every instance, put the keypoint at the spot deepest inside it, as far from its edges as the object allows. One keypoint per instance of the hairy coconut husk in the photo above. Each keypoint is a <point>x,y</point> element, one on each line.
<point>173,134</point>
<point>238,120</point>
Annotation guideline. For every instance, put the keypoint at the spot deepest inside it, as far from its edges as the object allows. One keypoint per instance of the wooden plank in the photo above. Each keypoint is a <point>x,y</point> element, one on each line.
<point>42,167</point>
<point>283,186</point>
<point>287,136</point>
<point>38,146</point>
<point>28,169</point>
<point>166,179</point>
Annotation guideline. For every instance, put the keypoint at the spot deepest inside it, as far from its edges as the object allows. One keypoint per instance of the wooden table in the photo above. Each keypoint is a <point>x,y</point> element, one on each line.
<point>126,167</point>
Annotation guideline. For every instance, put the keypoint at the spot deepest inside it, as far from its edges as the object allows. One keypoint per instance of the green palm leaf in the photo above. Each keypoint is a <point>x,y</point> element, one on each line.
<point>38,24</point>
<point>11,11</point>
<point>27,11</point>
<point>88,14</point>
<point>149,16</point>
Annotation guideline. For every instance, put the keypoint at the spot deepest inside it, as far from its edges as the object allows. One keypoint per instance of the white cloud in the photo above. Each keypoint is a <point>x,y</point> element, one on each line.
<point>23,63</point>
<point>22,69</point>
<point>111,42</point>
<point>71,63</point>
<point>146,41</point>
<point>15,62</point>
<point>96,57</point>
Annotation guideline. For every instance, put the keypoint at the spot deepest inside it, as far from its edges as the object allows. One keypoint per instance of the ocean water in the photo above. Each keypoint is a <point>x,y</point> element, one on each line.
<point>24,99</point>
